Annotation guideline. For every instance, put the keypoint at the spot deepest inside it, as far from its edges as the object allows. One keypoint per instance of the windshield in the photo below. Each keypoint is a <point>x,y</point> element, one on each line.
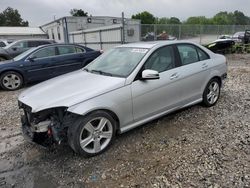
<point>22,55</point>
<point>117,62</point>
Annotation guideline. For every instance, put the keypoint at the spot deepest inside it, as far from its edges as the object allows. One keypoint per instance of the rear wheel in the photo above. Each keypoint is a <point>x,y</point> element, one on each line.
<point>92,134</point>
<point>212,92</point>
<point>11,80</point>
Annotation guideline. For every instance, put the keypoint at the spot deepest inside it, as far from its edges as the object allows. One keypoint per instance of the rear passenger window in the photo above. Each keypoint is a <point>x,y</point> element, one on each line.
<point>202,55</point>
<point>79,50</point>
<point>44,42</point>
<point>161,60</point>
<point>66,50</point>
<point>188,54</point>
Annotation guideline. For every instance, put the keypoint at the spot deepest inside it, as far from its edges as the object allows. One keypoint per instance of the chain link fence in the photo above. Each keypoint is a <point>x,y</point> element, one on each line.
<point>202,34</point>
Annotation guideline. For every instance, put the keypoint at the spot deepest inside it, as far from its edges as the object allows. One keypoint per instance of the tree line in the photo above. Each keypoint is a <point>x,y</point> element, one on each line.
<point>221,18</point>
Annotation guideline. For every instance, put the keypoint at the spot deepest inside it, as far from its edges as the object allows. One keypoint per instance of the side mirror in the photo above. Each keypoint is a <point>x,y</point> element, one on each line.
<point>31,59</point>
<point>150,75</point>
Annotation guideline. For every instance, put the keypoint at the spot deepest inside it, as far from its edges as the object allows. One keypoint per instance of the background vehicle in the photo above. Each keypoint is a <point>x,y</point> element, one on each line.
<point>44,62</point>
<point>4,43</point>
<point>12,50</point>
<point>221,45</point>
<point>122,89</point>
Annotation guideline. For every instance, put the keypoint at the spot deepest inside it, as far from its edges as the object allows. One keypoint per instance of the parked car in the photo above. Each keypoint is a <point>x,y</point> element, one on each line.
<point>221,45</point>
<point>126,87</point>
<point>4,43</point>
<point>14,49</point>
<point>44,62</point>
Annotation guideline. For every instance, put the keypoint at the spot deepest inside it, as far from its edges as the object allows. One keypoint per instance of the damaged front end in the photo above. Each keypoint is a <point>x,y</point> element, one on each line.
<point>46,127</point>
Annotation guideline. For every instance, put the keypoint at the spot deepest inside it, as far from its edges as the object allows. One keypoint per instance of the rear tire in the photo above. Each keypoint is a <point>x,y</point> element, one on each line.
<point>92,134</point>
<point>211,93</point>
<point>11,81</point>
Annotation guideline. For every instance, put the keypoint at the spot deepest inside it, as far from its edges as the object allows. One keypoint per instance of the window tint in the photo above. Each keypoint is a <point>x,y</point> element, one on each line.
<point>2,44</point>
<point>66,50</point>
<point>202,55</point>
<point>45,52</point>
<point>33,44</point>
<point>161,60</point>
<point>79,50</point>
<point>188,54</point>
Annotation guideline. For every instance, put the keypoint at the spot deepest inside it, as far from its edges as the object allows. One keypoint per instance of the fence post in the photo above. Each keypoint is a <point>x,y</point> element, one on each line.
<point>179,31</point>
<point>155,32</point>
<point>200,33</point>
<point>100,35</point>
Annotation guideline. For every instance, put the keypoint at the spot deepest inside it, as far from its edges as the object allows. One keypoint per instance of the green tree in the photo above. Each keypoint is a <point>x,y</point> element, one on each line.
<point>174,20</point>
<point>145,17</point>
<point>198,20</point>
<point>78,12</point>
<point>11,17</point>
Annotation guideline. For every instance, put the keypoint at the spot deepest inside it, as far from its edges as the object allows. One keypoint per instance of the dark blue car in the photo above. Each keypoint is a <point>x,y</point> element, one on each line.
<point>44,62</point>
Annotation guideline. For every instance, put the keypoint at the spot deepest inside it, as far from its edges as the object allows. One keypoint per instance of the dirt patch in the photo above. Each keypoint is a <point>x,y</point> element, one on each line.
<point>195,147</point>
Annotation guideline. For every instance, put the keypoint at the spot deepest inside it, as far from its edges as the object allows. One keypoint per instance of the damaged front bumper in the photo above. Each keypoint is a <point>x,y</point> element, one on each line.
<point>43,128</point>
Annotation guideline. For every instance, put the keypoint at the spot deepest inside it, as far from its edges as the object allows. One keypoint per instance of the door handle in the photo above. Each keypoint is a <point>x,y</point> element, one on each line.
<point>204,65</point>
<point>173,76</point>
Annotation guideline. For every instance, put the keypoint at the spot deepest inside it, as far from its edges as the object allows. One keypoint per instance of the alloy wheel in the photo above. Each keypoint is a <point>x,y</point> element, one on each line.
<point>213,92</point>
<point>96,135</point>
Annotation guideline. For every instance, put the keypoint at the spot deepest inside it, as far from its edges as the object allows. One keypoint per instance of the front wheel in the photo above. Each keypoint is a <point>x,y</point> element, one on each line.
<point>11,81</point>
<point>92,134</point>
<point>211,93</point>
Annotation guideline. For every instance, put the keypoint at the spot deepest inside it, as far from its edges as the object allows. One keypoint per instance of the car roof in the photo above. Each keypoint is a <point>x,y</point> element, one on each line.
<point>153,44</point>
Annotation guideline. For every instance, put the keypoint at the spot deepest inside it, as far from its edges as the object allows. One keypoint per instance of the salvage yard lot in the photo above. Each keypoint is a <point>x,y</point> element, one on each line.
<point>195,147</point>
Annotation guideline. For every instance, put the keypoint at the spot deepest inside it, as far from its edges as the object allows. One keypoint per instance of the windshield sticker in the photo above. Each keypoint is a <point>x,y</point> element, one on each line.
<point>139,50</point>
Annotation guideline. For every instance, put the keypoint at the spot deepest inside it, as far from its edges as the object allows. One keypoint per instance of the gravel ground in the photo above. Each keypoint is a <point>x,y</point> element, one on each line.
<point>195,147</point>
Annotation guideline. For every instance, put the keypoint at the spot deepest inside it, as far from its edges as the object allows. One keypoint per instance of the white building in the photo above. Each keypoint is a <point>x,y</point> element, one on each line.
<point>60,29</point>
<point>16,33</point>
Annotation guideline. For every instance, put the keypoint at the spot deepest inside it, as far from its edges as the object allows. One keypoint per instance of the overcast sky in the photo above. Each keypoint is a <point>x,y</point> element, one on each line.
<point>39,12</point>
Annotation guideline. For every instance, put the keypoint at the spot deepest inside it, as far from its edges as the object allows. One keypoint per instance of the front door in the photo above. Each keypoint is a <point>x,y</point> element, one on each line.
<point>152,97</point>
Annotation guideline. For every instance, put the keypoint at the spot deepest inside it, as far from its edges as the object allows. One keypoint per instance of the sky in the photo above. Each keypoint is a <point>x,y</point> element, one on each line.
<point>39,12</point>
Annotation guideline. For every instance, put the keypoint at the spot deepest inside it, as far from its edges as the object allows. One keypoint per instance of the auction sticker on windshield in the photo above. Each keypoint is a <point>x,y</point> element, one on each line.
<point>139,50</point>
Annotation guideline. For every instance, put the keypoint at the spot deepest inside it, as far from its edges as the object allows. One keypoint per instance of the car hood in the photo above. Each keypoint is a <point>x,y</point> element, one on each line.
<point>68,90</point>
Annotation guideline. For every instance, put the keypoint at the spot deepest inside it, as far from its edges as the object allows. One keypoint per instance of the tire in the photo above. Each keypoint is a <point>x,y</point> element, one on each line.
<point>211,93</point>
<point>92,134</point>
<point>11,81</point>
<point>3,59</point>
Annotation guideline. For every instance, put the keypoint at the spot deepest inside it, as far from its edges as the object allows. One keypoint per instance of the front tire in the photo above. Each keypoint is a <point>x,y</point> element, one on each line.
<point>11,81</point>
<point>211,93</point>
<point>92,134</point>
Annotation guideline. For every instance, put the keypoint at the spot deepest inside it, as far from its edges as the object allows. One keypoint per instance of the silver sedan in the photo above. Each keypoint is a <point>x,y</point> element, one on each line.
<point>125,87</point>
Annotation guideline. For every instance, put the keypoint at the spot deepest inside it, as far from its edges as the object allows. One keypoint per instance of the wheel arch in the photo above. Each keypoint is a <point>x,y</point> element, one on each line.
<point>113,114</point>
<point>14,70</point>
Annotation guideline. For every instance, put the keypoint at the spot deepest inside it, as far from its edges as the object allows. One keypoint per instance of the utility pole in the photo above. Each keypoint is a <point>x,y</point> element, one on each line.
<point>123,28</point>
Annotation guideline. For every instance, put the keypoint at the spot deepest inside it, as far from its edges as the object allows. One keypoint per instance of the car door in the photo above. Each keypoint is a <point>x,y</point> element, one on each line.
<point>151,97</point>
<point>41,64</point>
<point>194,71</point>
<point>70,58</point>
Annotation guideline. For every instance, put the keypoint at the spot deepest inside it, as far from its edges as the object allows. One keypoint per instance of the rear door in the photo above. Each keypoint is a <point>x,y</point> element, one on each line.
<point>194,71</point>
<point>152,97</point>
<point>70,58</point>
<point>41,64</point>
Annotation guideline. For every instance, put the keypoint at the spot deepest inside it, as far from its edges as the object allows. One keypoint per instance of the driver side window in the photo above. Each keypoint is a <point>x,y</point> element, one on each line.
<point>161,60</point>
<point>45,52</point>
